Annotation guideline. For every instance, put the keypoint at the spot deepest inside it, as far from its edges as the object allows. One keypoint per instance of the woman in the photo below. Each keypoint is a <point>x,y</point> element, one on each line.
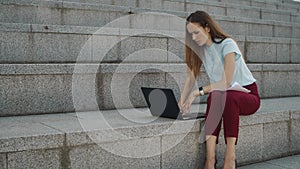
<point>208,44</point>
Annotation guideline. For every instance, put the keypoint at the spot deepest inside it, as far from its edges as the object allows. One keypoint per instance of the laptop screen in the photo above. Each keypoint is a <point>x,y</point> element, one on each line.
<point>162,102</point>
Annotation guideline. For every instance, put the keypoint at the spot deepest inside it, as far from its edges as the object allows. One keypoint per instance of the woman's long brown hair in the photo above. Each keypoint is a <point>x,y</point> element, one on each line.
<point>193,52</point>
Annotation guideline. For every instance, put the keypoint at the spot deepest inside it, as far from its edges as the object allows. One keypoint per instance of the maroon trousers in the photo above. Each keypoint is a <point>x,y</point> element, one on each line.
<point>228,105</point>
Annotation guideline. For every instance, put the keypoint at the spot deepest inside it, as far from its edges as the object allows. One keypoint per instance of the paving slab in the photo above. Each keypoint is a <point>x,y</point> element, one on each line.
<point>42,159</point>
<point>18,136</point>
<point>95,156</point>
<point>3,161</point>
<point>261,166</point>
<point>287,162</point>
<point>291,162</point>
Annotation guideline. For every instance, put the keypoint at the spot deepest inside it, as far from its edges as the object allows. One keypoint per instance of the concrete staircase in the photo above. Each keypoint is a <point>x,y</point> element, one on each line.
<point>71,72</point>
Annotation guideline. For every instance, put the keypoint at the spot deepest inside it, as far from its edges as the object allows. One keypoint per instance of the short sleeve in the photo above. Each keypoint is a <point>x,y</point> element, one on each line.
<point>229,46</point>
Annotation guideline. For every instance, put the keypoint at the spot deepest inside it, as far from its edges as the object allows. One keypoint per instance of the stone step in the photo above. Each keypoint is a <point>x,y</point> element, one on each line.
<point>257,9</point>
<point>270,4</point>
<point>238,10</point>
<point>38,43</point>
<point>288,5</point>
<point>85,14</point>
<point>132,138</point>
<point>53,88</point>
<point>274,4</point>
<point>234,8</point>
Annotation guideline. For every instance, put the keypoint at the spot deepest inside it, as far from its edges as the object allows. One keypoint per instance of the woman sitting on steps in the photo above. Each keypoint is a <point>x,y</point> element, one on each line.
<point>208,44</point>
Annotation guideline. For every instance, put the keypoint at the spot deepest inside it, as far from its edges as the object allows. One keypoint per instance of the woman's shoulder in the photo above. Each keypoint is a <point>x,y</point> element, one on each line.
<point>225,42</point>
<point>228,40</point>
<point>229,45</point>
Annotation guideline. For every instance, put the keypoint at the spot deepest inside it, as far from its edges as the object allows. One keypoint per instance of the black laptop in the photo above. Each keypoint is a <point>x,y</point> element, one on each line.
<point>162,103</point>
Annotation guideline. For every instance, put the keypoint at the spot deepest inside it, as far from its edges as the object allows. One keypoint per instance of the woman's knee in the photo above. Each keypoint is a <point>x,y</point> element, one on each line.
<point>215,96</point>
<point>231,99</point>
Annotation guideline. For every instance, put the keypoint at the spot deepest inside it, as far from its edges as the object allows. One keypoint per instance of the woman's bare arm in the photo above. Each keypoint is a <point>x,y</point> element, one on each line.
<point>224,83</point>
<point>189,84</point>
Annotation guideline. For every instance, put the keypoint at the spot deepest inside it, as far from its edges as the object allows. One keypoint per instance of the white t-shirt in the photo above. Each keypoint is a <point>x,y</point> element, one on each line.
<point>213,61</point>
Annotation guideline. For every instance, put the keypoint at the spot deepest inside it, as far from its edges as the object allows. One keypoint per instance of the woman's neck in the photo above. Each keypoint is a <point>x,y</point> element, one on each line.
<point>209,42</point>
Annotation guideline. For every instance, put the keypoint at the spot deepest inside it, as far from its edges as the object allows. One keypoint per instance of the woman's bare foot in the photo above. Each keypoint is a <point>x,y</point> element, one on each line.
<point>229,164</point>
<point>210,163</point>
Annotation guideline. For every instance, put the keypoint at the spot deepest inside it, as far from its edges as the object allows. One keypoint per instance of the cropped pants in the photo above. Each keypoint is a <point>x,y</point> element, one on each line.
<point>229,105</point>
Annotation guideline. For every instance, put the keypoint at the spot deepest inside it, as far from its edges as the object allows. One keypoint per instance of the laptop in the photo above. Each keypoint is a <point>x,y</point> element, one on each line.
<point>162,103</point>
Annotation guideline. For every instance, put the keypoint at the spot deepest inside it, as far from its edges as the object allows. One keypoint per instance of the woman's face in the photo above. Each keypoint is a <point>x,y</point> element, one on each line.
<point>199,34</point>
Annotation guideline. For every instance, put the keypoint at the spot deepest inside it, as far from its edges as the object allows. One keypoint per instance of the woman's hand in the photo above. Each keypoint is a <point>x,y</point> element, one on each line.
<point>188,103</point>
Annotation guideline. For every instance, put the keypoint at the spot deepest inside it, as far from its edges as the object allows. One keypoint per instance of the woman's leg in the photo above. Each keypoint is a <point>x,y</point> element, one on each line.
<point>214,114</point>
<point>229,162</point>
<point>231,128</point>
<point>212,127</point>
<point>210,151</point>
<point>237,103</point>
